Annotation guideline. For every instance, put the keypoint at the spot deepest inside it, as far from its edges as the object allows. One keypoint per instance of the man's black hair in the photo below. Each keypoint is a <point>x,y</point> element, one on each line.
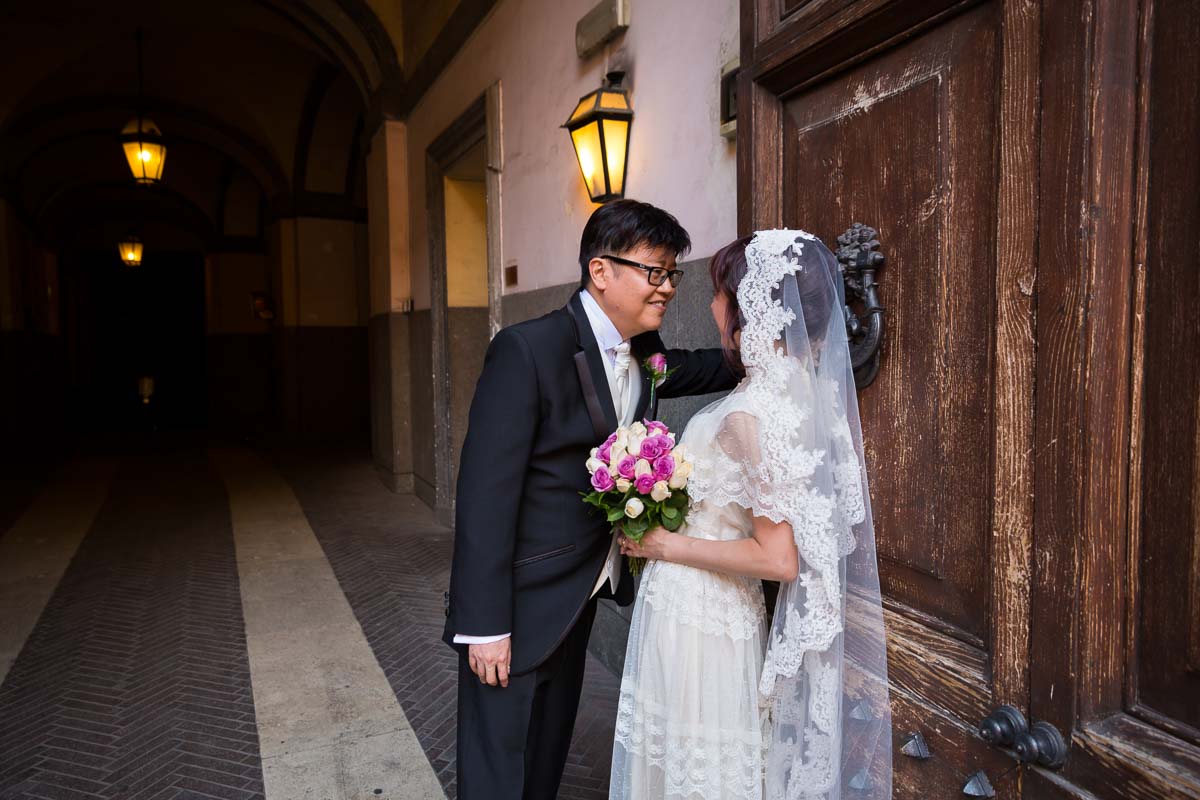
<point>622,225</point>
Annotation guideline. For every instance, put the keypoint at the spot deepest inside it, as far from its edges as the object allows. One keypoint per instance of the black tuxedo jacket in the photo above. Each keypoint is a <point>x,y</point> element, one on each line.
<point>527,550</point>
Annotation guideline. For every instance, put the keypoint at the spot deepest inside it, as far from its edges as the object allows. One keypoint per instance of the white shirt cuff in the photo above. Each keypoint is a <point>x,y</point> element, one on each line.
<point>462,639</point>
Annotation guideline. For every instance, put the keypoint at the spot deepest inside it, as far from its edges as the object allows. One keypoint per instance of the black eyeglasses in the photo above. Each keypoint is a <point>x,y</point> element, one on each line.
<point>656,275</point>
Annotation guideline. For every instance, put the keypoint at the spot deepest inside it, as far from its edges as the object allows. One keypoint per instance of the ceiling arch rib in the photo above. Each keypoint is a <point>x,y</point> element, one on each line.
<point>95,214</point>
<point>350,34</point>
<point>64,123</point>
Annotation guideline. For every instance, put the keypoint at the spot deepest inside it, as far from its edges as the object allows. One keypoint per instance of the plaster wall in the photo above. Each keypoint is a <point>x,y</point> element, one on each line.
<point>327,273</point>
<point>677,160</point>
<point>466,244</point>
<point>388,216</point>
<point>230,278</point>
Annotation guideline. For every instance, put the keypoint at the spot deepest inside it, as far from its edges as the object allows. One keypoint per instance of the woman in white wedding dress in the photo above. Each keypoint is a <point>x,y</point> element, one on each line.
<point>712,705</point>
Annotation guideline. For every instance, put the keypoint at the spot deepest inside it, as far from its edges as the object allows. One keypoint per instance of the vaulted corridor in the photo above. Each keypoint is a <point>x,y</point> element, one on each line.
<point>194,620</point>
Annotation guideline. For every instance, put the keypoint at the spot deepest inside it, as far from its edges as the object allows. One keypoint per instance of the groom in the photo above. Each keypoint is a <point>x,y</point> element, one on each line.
<point>530,561</point>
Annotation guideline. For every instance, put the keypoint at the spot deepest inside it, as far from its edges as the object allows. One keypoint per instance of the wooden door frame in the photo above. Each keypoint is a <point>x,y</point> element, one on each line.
<point>480,122</point>
<point>1089,418</point>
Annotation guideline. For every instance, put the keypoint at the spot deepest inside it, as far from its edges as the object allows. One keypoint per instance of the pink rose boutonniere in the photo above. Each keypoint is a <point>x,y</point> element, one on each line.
<point>656,365</point>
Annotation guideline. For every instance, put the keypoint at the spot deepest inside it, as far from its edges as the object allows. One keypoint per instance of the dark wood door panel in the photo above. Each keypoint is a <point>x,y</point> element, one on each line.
<point>1167,662</point>
<point>905,142</point>
<point>954,756</point>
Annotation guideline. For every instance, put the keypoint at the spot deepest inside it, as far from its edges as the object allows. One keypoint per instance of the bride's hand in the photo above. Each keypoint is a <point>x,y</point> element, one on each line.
<point>654,545</point>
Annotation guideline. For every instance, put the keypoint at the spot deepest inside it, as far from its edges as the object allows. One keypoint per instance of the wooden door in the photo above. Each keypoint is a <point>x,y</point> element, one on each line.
<point>992,144</point>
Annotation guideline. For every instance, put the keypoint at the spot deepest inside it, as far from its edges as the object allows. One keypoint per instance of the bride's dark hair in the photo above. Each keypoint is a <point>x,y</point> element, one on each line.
<point>727,268</point>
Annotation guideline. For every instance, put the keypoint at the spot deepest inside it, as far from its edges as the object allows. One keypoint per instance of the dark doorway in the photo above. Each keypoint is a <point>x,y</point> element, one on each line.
<point>126,324</point>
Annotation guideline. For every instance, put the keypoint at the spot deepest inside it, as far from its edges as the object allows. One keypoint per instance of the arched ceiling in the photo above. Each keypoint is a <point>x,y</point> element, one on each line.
<point>271,93</point>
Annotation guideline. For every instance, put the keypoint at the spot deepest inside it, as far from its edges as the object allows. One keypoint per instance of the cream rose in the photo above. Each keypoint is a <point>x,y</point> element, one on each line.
<point>638,428</point>
<point>677,481</point>
<point>635,443</point>
<point>660,492</point>
<point>643,467</point>
<point>634,507</point>
<point>594,464</point>
<point>623,485</point>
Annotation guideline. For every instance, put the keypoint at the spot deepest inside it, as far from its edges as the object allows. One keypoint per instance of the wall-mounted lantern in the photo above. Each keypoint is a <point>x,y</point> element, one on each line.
<point>141,139</point>
<point>131,251</point>
<point>599,128</point>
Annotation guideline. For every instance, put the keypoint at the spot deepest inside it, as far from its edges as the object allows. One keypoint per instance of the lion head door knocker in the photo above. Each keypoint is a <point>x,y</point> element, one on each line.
<point>859,257</point>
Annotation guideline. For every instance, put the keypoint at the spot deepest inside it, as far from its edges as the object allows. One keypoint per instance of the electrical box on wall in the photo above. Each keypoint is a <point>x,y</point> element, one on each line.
<point>729,75</point>
<point>598,27</point>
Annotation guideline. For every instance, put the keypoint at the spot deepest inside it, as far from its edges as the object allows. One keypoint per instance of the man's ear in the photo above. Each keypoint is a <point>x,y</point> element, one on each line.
<point>601,273</point>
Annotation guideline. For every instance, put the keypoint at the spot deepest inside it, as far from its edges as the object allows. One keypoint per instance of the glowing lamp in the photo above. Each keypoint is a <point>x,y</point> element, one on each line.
<point>144,150</point>
<point>599,128</point>
<point>131,251</point>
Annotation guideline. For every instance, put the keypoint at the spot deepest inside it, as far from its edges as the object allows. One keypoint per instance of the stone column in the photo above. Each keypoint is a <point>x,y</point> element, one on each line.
<point>391,304</point>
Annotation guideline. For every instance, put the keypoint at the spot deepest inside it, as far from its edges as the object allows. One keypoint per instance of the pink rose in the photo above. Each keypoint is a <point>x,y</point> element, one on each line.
<point>655,446</point>
<point>602,481</point>
<point>656,428</point>
<point>628,466</point>
<point>612,439</point>
<point>664,468</point>
<point>657,362</point>
<point>605,451</point>
<point>645,484</point>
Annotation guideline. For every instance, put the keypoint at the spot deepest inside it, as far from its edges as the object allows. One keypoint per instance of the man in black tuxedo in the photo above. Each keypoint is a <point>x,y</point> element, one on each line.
<point>530,560</point>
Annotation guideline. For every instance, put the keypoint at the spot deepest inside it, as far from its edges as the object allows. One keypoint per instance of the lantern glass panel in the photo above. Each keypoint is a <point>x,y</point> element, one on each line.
<point>131,252</point>
<point>585,105</point>
<point>614,100</point>
<point>144,151</point>
<point>587,148</point>
<point>616,143</point>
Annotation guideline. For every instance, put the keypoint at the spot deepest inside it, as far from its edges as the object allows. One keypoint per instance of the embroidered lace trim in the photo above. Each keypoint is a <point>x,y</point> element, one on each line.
<point>694,759</point>
<point>716,605</point>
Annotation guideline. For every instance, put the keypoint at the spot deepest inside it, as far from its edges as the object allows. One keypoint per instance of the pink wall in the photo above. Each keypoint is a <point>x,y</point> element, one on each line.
<point>678,159</point>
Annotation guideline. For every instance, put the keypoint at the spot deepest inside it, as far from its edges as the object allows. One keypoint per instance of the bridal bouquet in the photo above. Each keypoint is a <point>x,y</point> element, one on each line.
<point>639,481</point>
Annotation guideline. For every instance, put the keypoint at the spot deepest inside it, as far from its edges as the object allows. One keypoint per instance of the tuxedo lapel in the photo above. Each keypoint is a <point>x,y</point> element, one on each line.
<point>593,379</point>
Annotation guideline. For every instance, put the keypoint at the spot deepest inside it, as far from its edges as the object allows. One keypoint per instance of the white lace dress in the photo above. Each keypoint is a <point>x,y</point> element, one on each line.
<point>688,723</point>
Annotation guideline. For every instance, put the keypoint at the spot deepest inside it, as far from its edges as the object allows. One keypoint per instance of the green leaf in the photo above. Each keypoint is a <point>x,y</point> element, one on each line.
<point>615,514</point>
<point>636,526</point>
<point>669,513</point>
<point>672,524</point>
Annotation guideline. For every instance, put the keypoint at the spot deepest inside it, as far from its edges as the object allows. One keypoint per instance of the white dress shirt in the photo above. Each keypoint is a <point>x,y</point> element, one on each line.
<point>607,338</point>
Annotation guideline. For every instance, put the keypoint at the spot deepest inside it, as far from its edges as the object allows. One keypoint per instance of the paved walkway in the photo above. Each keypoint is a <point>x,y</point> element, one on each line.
<point>214,623</point>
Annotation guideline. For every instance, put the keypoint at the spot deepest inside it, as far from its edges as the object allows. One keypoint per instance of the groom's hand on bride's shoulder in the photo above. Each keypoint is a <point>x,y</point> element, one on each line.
<point>490,661</point>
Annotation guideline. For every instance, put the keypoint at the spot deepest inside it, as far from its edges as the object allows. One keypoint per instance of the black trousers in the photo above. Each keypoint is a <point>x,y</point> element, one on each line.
<point>513,742</point>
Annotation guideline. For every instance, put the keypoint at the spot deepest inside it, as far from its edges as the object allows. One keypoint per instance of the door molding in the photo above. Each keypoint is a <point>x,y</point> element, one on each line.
<point>480,122</point>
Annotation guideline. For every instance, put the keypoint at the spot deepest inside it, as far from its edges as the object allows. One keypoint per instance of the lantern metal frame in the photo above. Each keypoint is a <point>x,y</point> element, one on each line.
<point>143,135</point>
<point>598,112</point>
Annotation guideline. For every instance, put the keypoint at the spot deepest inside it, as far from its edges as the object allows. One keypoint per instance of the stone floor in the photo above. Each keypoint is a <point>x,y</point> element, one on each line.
<point>140,674</point>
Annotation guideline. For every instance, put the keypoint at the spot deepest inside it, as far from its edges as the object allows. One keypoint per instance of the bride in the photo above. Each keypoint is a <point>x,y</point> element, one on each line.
<point>711,706</point>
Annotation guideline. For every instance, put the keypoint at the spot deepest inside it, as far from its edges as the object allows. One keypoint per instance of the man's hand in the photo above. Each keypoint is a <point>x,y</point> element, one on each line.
<point>490,661</point>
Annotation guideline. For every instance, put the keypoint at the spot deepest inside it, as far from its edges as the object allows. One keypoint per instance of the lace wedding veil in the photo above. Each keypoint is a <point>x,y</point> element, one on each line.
<point>793,443</point>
